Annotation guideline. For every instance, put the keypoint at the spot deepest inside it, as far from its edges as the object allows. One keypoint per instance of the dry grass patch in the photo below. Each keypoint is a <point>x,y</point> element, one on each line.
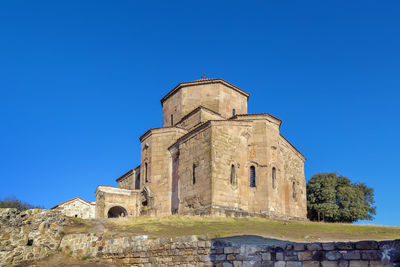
<point>172,226</point>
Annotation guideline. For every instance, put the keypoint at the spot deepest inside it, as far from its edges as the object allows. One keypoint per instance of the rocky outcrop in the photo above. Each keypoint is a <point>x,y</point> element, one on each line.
<point>29,235</point>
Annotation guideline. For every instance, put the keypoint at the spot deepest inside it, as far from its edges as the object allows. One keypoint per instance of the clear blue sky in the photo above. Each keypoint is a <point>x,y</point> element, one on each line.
<point>80,81</point>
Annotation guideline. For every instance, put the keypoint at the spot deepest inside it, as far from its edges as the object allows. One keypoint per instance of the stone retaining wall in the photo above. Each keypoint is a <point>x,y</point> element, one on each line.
<point>32,235</point>
<point>201,251</point>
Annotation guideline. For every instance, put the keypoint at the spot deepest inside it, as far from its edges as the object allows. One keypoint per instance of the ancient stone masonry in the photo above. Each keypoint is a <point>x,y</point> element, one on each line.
<point>203,251</point>
<point>78,208</point>
<point>34,234</point>
<point>29,235</point>
<point>210,157</point>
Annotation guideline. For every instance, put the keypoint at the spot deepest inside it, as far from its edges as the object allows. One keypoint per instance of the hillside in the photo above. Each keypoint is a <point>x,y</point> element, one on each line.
<point>222,227</point>
<point>39,237</point>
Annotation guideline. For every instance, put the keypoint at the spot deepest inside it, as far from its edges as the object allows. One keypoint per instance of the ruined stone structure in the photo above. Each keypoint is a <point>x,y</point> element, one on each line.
<point>210,157</point>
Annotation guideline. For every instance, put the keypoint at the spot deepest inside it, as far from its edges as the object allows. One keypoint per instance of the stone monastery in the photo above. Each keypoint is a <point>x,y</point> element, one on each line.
<point>210,158</point>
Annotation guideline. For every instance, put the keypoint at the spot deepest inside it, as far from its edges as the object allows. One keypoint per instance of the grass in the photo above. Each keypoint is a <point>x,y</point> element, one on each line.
<point>222,227</point>
<point>80,221</point>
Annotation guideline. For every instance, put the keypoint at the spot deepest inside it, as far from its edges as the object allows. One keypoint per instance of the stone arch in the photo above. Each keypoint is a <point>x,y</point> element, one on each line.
<point>116,212</point>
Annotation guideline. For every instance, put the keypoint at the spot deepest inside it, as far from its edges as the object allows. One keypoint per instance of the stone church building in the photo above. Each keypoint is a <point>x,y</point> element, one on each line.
<point>210,157</point>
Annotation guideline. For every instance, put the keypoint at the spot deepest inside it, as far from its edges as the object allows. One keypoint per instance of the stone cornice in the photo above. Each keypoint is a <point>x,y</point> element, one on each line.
<point>200,82</point>
<point>115,190</point>
<point>128,173</point>
<point>298,153</point>
<point>194,111</point>
<point>161,130</point>
<point>258,116</point>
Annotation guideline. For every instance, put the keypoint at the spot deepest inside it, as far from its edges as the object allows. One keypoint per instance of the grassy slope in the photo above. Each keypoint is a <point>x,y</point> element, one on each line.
<point>222,227</point>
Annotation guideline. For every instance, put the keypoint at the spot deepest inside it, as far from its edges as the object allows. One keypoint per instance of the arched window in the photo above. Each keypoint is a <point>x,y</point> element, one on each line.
<point>252,176</point>
<point>145,173</point>
<point>273,177</point>
<point>233,175</point>
<point>194,173</point>
<point>137,180</point>
<point>294,189</point>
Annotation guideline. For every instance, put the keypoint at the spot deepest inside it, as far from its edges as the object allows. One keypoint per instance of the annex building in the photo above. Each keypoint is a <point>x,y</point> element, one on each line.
<point>210,157</point>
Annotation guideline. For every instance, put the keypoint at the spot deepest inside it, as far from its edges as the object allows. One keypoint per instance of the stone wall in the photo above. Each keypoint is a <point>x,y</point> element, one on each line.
<point>195,150</point>
<point>108,197</point>
<point>34,234</point>
<point>198,116</point>
<point>155,154</point>
<point>202,251</point>
<point>217,95</point>
<point>127,181</point>
<point>29,235</point>
<point>229,147</point>
<point>78,208</point>
<point>268,150</point>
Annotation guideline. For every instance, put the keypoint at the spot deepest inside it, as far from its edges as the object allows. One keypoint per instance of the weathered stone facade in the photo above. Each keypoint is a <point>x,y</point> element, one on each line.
<point>78,208</point>
<point>203,252</point>
<point>29,235</point>
<point>211,157</point>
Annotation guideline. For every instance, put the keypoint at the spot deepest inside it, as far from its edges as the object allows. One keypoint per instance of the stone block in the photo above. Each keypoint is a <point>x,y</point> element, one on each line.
<point>291,258</point>
<point>366,245</point>
<point>266,256</point>
<point>344,245</point>
<point>293,264</point>
<point>352,255</point>
<point>221,257</point>
<point>279,256</point>
<point>227,264</point>
<point>343,263</point>
<point>304,255</point>
<point>230,250</point>
<point>298,246</point>
<point>358,264</point>
<point>267,264</point>
<point>279,264</point>
<point>371,255</point>
<point>333,255</point>
<point>378,264</point>
<point>329,264</point>
<point>328,246</point>
<point>230,257</point>
<point>314,246</point>
<point>310,263</point>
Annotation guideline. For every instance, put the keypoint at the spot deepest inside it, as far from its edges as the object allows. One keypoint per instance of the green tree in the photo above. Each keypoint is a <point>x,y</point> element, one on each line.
<point>333,198</point>
<point>12,202</point>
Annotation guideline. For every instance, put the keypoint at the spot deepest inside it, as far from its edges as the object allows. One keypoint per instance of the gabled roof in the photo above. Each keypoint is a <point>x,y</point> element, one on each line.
<point>124,175</point>
<point>75,198</point>
<point>203,81</point>
<point>279,121</point>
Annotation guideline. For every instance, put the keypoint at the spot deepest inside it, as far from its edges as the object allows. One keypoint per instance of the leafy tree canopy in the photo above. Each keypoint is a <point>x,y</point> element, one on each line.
<point>12,202</point>
<point>335,198</point>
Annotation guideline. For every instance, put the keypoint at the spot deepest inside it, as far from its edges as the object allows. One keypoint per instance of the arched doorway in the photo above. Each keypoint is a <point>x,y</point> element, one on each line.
<point>116,212</point>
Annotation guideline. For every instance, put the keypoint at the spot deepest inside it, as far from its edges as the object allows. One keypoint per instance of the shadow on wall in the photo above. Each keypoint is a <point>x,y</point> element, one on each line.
<point>259,251</point>
<point>116,212</point>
